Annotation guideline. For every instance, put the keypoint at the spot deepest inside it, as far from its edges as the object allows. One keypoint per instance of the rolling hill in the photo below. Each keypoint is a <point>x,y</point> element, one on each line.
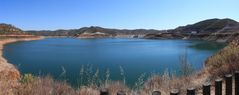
<point>8,29</point>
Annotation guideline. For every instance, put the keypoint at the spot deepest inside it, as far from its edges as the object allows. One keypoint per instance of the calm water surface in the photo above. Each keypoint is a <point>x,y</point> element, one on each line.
<point>136,56</point>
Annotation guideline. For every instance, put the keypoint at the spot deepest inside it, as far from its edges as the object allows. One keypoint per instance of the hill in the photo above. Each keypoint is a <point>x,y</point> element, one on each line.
<point>221,30</point>
<point>8,29</point>
<point>95,32</point>
<point>210,26</point>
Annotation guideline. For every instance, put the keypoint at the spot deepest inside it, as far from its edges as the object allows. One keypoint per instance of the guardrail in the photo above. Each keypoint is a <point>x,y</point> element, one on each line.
<point>206,87</point>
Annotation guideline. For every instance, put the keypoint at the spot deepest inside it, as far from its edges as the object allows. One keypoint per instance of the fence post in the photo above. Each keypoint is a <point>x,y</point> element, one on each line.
<point>174,92</point>
<point>218,86</point>
<point>156,93</point>
<point>191,91</point>
<point>207,88</point>
<point>237,83</point>
<point>104,92</point>
<point>228,84</point>
<point>121,93</point>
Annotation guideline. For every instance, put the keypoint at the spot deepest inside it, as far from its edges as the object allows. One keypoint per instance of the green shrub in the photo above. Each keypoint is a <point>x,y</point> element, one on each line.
<point>27,78</point>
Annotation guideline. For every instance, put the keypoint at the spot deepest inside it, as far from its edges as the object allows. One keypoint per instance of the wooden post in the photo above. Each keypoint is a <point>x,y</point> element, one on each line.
<point>207,88</point>
<point>236,83</point>
<point>121,93</point>
<point>228,84</point>
<point>156,93</point>
<point>174,92</point>
<point>191,91</point>
<point>104,92</point>
<point>218,86</point>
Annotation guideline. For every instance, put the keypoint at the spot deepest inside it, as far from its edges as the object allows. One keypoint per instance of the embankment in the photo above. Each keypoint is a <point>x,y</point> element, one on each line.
<point>7,70</point>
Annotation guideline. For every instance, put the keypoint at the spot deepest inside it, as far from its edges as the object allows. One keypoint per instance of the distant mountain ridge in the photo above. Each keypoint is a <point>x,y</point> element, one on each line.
<point>211,29</point>
<point>94,32</point>
<point>203,27</point>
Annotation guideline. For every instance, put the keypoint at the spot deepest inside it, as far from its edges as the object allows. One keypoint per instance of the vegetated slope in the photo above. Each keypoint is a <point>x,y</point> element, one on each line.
<point>106,32</point>
<point>60,32</point>
<point>222,30</point>
<point>8,29</point>
<point>225,61</point>
<point>210,26</point>
<point>9,34</point>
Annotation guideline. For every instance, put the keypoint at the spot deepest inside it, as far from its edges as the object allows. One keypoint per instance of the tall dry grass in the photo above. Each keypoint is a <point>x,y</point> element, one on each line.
<point>225,61</point>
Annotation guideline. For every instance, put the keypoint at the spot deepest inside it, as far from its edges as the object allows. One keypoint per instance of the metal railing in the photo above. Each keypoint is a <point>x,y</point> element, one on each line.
<point>206,87</point>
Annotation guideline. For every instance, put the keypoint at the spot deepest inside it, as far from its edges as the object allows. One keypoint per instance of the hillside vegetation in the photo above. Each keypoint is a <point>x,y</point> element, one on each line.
<point>94,32</point>
<point>225,61</point>
<point>221,30</point>
<point>8,29</point>
<point>211,26</point>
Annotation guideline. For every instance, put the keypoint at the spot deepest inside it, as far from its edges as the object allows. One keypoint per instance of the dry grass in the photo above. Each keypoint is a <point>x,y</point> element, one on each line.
<point>31,85</point>
<point>7,87</point>
<point>43,86</point>
<point>224,62</point>
<point>167,83</point>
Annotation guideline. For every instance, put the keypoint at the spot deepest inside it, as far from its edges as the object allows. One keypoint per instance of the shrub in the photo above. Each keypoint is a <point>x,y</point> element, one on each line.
<point>27,78</point>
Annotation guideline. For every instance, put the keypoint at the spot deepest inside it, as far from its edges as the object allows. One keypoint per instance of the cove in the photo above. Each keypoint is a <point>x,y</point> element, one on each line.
<point>64,58</point>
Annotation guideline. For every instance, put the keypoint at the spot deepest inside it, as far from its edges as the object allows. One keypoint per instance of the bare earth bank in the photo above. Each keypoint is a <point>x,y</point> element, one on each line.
<point>7,70</point>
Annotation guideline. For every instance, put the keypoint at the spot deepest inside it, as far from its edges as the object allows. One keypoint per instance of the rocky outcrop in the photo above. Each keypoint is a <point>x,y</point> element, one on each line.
<point>94,35</point>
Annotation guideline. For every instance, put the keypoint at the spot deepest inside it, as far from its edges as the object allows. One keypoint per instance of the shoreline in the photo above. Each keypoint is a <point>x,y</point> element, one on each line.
<point>11,70</point>
<point>7,70</point>
<point>196,80</point>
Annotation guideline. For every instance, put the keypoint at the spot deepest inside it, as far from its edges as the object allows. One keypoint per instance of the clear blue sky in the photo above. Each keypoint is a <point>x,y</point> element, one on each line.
<point>129,14</point>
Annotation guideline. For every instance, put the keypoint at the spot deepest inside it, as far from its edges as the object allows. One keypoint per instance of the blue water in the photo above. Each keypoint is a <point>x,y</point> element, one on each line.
<point>63,58</point>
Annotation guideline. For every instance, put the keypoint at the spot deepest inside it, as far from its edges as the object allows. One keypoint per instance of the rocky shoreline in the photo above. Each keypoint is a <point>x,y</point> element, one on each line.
<point>7,70</point>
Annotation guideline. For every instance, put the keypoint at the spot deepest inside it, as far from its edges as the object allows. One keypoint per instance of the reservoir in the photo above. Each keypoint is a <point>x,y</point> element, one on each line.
<point>78,60</point>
